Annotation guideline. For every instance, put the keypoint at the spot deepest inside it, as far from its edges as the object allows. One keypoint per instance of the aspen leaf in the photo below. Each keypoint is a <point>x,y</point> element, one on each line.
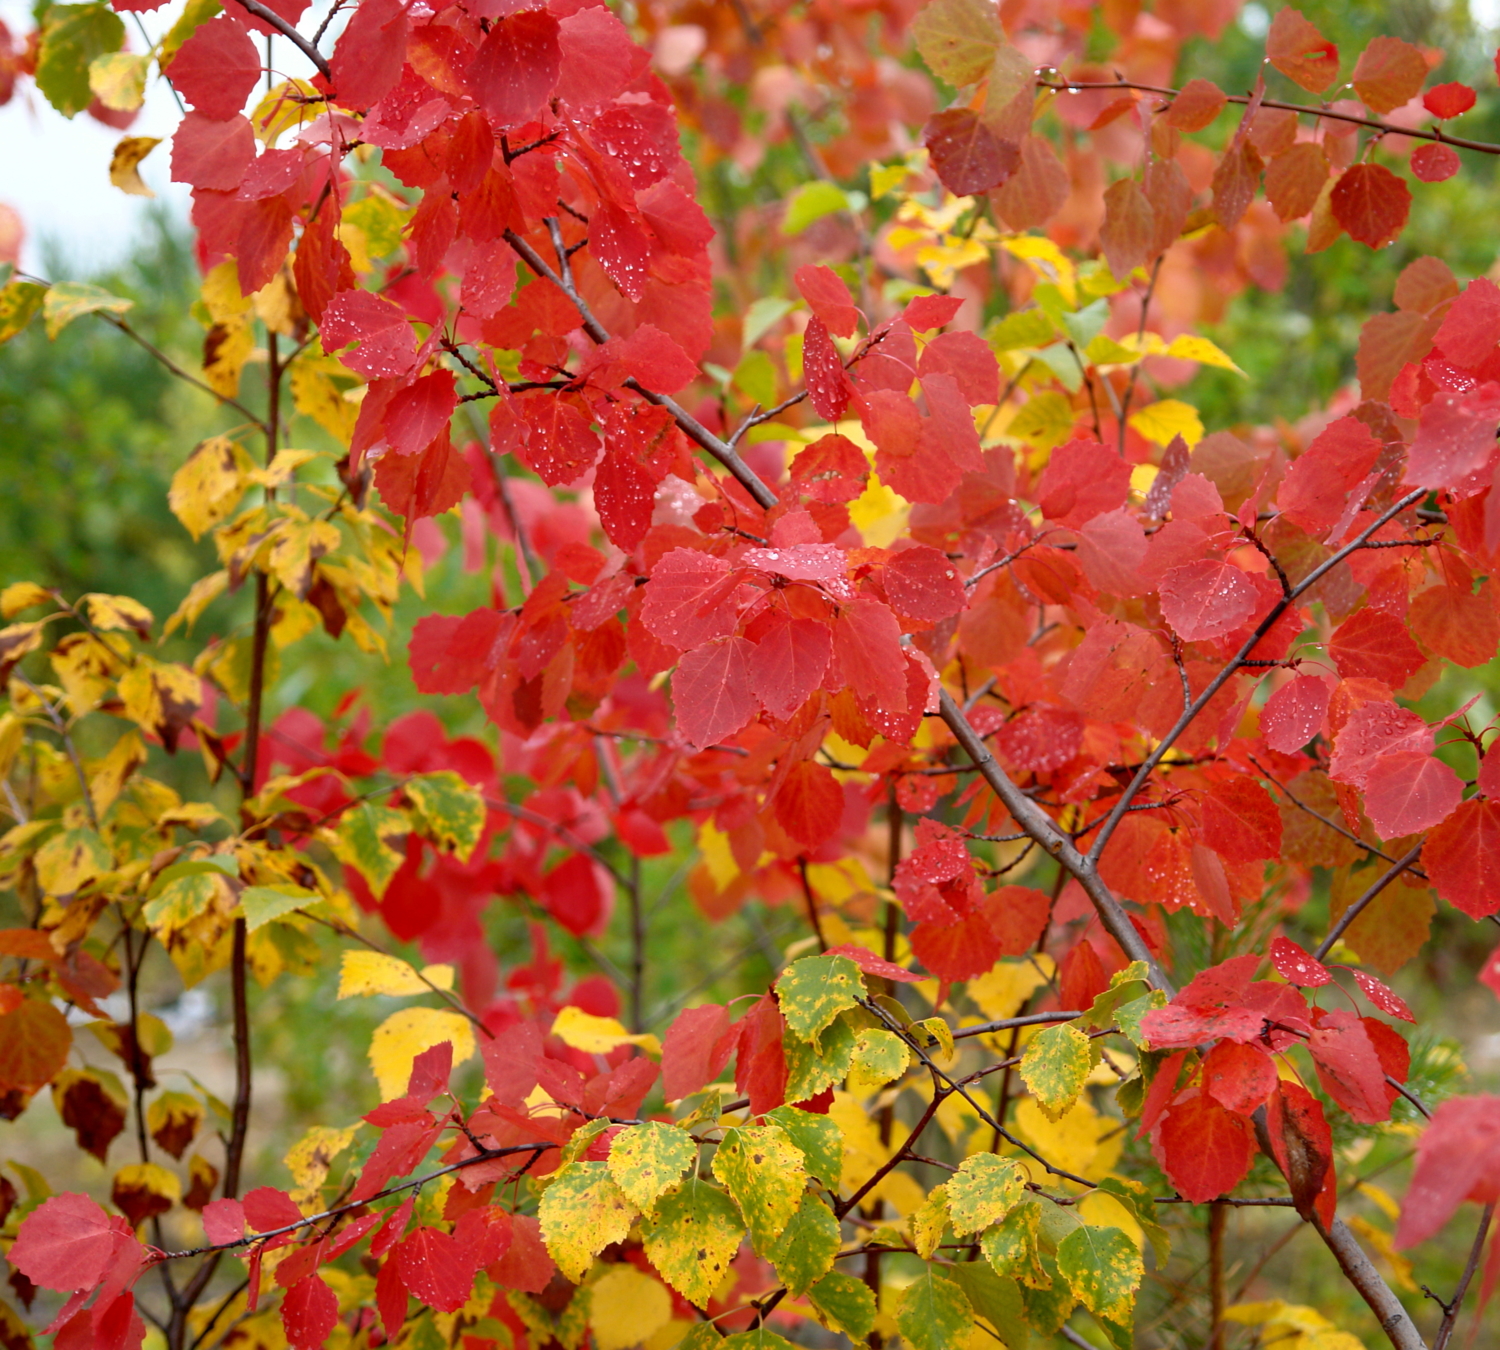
<point>880,1057</point>
<point>1104,1268</point>
<point>929,1221</point>
<point>692,1240</point>
<point>1056,1065</point>
<point>806,1249</point>
<point>983,1191</point>
<point>1196,105</point>
<point>845,1304</point>
<point>934,1313</point>
<point>597,1035</point>
<point>626,1307</point>
<point>819,1139</point>
<point>20,302</point>
<point>405,1034</point>
<point>141,1190</point>
<point>1300,52</point>
<point>367,838</point>
<point>65,1243</point>
<point>812,993</point>
<point>649,1160</point>
<point>1389,73</point>
<point>766,1174</point>
<point>582,1211</point>
<point>1371,203</point>
<point>262,904</point>
<point>958,39</point>
<point>1010,1246</point>
<point>1161,421</point>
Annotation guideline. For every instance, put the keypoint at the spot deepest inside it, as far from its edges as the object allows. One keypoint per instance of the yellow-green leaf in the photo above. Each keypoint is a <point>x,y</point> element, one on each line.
<point>844,1304</point>
<point>766,1174</point>
<point>815,990</point>
<point>19,303</point>
<point>1166,418</point>
<point>929,1221</point>
<point>405,1034</point>
<point>1011,1246</point>
<point>810,1067</point>
<point>880,1057</point>
<point>448,811</point>
<point>648,1160</point>
<point>935,1313</point>
<point>819,1138</point>
<point>72,36</point>
<point>694,1238</point>
<point>806,1249</point>
<point>582,1212</point>
<point>958,39</point>
<point>262,904</point>
<point>983,1191</point>
<point>812,201</point>
<point>1104,1268</point>
<point>1056,1065</point>
<point>1045,421</point>
<point>69,861</point>
<point>118,80</point>
<point>373,839</point>
<point>69,300</point>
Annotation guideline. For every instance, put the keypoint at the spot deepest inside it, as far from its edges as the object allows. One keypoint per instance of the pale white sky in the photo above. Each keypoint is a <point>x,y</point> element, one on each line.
<point>55,172</point>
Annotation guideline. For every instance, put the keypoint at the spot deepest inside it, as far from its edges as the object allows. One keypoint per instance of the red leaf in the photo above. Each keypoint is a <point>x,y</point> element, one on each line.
<point>1300,52</point>
<point>823,369</point>
<point>396,1220</point>
<point>1389,73</point>
<point>695,1050</point>
<point>1204,1149</point>
<point>760,1069</point>
<point>425,484</point>
<point>1455,440</point>
<point>224,1221</point>
<point>867,644</point>
<point>1302,1144</point>
<point>1196,105</point>
<point>1295,178</point>
<point>969,360</point>
<point>1406,793</point>
<point>1239,1077</point>
<point>1297,966</point>
<point>871,964</point>
<point>685,604</point>
<point>417,414</point>
<point>825,292</point>
<point>370,52</point>
<point>1458,1158</point>
<point>959,951</point>
<point>1472,324</point>
<point>517,66</point>
<point>390,1299</point>
<point>1234,182</point>
<point>1376,645</point>
<point>1082,480</point>
<point>831,469</point>
<point>309,1312</point>
<point>1374,729</point>
<point>1241,822</point>
<point>824,563</point>
<point>622,248</point>
<point>434,1269</point>
<point>1081,977</point>
<point>656,359</point>
<point>788,664</point>
<point>67,1242</point>
<point>560,443</point>
<point>1448,100</point>
<point>1211,1006</point>
<point>1434,163</point>
<point>1041,738</point>
<point>1129,227</point>
<point>1462,858</point>
<point>597,58</point>
<point>1453,622</point>
<point>922,583</point>
<point>810,804</point>
<point>1017,916</point>
<point>1349,1067</point>
<point>212,154</point>
<point>923,313</point>
<point>1294,714</point>
<point>1383,996</point>
<point>711,691</point>
<point>267,1208</point>
<point>625,498</point>
<point>966,155</point>
<point>1371,203</point>
<point>387,345</point>
<point>216,68</point>
<point>1206,599</point>
<point>578,894</point>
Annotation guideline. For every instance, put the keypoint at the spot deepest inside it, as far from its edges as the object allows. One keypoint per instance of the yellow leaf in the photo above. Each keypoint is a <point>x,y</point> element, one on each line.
<point>598,1035</point>
<point>226,348</point>
<point>885,177</point>
<point>405,1034</point>
<point>117,613</point>
<point>107,777</point>
<point>1047,260</point>
<point>221,292</point>
<point>69,300</point>
<point>582,1212</point>
<point>118,80</point>
<point>1192,348</point>
<point>320,386</point>
<point>1383,1199</point>
<point>1168,418</point>
<point>124,164</point>
<point>283,106</point>
<point>203,593</point>
<point>1045,420</point>
<point>878,513</point>
<point>1001,992</point>
<point>1380,1240</point>
<point>21,595</point>
<point>1076,1141</point>
<point>209,484</point>
<point>627,1306</point>
<point>281,469</point>
<point>160,698</point>
<point>310,1157</point>
<point>376,973</point>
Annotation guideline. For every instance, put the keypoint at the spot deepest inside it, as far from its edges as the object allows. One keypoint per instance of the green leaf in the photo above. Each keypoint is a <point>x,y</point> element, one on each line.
<point>19,303</point>
<point>372,839</point>
<point>1084,325</point>
<point>1104,1268</point>
<point>180,902</point>
<point>582,1212</point>
<point>1137,1199</point>
<point>648,1160</point>
<point>694,1238</point>
<point>1011,1246</point>
<point>813,201</point>
<point>1055,1066</point>
<point>448,811</point>
<point>815,990</point>
<point>996,1298</point>
<point>1050,1305</point>
<point>225,864</point>
<point>261,904</point>
<point>806,1249</point>
<point>72,36</point>
<point>1123,988</point>
<point>810,1069</point>
<point>1128,1016</point>
<point>935,1314</point>
<point>763,315</point>
<point>755,377</point>
<point>757,1338</point>
<point>880,1057</point>
<point>983,1191</point>
<point>766,1174</point>
<point>819,1138</point>
<point>69,300</point>
<point>845,1304</point>
<point>1022,328</point>
<point>958,39</point>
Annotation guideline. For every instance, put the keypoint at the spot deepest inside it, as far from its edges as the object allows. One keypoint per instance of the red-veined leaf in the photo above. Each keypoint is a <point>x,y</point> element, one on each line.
<point>1376,645</point>
<point>216,68</point>
<point>1462,858</point>
<point>1294,714</point>
<point>67,1242</point>
<point>711,691</point>
<point>433,1267</point>
<point>1298,966</point>
<point>1389,73</point>
<point>1206,599</point>
<point>788,664</point>
<point>1204,1149</point>
<point>1371,203</point>
<point>1240,821</point>
<point>1300,52</point>
<point>966,155</point>
<point>1406,793</point>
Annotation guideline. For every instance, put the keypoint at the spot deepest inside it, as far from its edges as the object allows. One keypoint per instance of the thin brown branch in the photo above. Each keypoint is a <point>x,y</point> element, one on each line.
<point>267,15</point>
<point>1358,907</point>
<point>1454,1305</point>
